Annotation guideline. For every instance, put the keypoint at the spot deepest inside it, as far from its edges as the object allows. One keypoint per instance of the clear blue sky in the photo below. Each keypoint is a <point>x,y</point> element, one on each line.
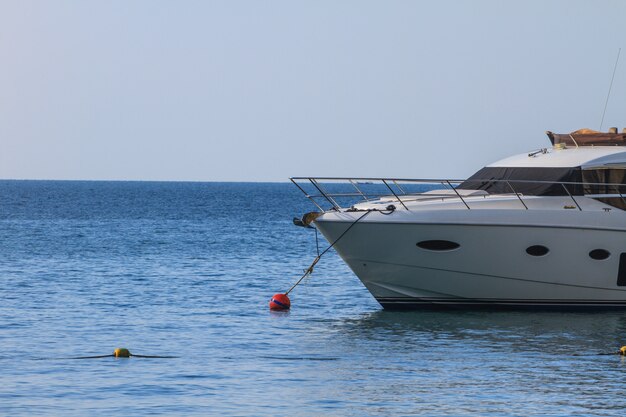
<point>264,90</point>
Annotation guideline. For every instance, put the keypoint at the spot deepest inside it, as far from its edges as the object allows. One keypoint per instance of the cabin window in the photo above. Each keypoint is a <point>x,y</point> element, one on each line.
<point>599,254</point>
<point>607,185</point>
<point>597,181</point>
<point>537,250</point>
<point>438,245</point>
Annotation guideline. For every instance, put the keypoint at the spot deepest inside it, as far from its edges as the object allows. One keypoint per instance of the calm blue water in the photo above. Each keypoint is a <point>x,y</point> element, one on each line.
<point>187,269</point>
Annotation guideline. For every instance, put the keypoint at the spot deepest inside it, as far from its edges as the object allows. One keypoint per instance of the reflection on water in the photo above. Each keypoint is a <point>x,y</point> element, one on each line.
<point>507,363</point>
<point>557,332</point>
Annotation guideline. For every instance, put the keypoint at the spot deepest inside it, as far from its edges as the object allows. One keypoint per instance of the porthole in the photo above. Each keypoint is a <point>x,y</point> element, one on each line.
<point>537,250</point>
<point>599,254</point>
<point>438,245</point>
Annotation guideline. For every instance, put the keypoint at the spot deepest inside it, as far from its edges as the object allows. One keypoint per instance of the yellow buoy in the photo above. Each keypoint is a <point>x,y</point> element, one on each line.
<point>121,353</point>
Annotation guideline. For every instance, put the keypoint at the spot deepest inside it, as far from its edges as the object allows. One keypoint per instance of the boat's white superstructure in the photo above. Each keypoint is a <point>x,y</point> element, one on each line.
<point>545,229</point>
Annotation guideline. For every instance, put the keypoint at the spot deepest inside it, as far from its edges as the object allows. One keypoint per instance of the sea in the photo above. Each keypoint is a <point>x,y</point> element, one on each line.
<point>185,270</point>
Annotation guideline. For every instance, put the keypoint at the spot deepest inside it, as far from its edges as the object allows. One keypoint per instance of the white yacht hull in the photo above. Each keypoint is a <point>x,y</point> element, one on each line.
<point>491,267</point>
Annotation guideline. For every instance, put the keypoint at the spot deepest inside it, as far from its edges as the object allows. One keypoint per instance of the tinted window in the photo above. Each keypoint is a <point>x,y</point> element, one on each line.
<point>537,250</point>
<point>599,254</point>
<point>527,181</point>
<point>438,245</point>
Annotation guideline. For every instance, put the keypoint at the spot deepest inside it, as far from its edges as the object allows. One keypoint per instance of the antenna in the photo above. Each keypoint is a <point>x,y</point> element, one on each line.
<point>610,86</point>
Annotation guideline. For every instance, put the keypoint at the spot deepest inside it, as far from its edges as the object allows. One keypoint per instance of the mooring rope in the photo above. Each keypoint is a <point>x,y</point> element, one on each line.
<point>309,270</point>
<point>119,353</point>
<point>112,355</point>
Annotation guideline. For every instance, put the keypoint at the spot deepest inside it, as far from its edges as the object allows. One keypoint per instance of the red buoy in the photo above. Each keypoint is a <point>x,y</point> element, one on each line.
<point>280,302</point>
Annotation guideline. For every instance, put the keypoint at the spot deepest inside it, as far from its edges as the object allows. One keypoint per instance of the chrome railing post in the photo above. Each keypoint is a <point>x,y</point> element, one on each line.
<point>620,193</point>
<point>457,193</point>
<point>325,194</point>
<point>395,195</point>
<point>307,195</point>
<point>515,192</point>
<point>571,196</point>
<point>358,189</point>
<point>443,184</point>
<point>399,188</point>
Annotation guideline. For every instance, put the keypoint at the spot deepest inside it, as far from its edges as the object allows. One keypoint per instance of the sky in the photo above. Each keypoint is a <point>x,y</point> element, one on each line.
<point>265,90</point>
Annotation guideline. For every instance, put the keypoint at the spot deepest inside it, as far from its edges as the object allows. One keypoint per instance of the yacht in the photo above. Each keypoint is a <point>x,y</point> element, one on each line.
<point>544,229</point>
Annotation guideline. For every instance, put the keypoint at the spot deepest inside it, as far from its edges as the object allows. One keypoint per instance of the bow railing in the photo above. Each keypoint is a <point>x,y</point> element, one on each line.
<point>344,192</point>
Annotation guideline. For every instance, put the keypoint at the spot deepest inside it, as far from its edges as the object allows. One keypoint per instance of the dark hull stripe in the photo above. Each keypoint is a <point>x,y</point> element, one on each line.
<point>508,304</point>
<point>491,276</point>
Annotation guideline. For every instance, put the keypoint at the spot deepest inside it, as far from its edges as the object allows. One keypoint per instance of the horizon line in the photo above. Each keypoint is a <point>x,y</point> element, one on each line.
<point>142,180</point>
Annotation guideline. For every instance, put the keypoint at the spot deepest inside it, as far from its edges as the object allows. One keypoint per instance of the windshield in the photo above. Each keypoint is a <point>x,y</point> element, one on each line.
<point>528,181</point>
